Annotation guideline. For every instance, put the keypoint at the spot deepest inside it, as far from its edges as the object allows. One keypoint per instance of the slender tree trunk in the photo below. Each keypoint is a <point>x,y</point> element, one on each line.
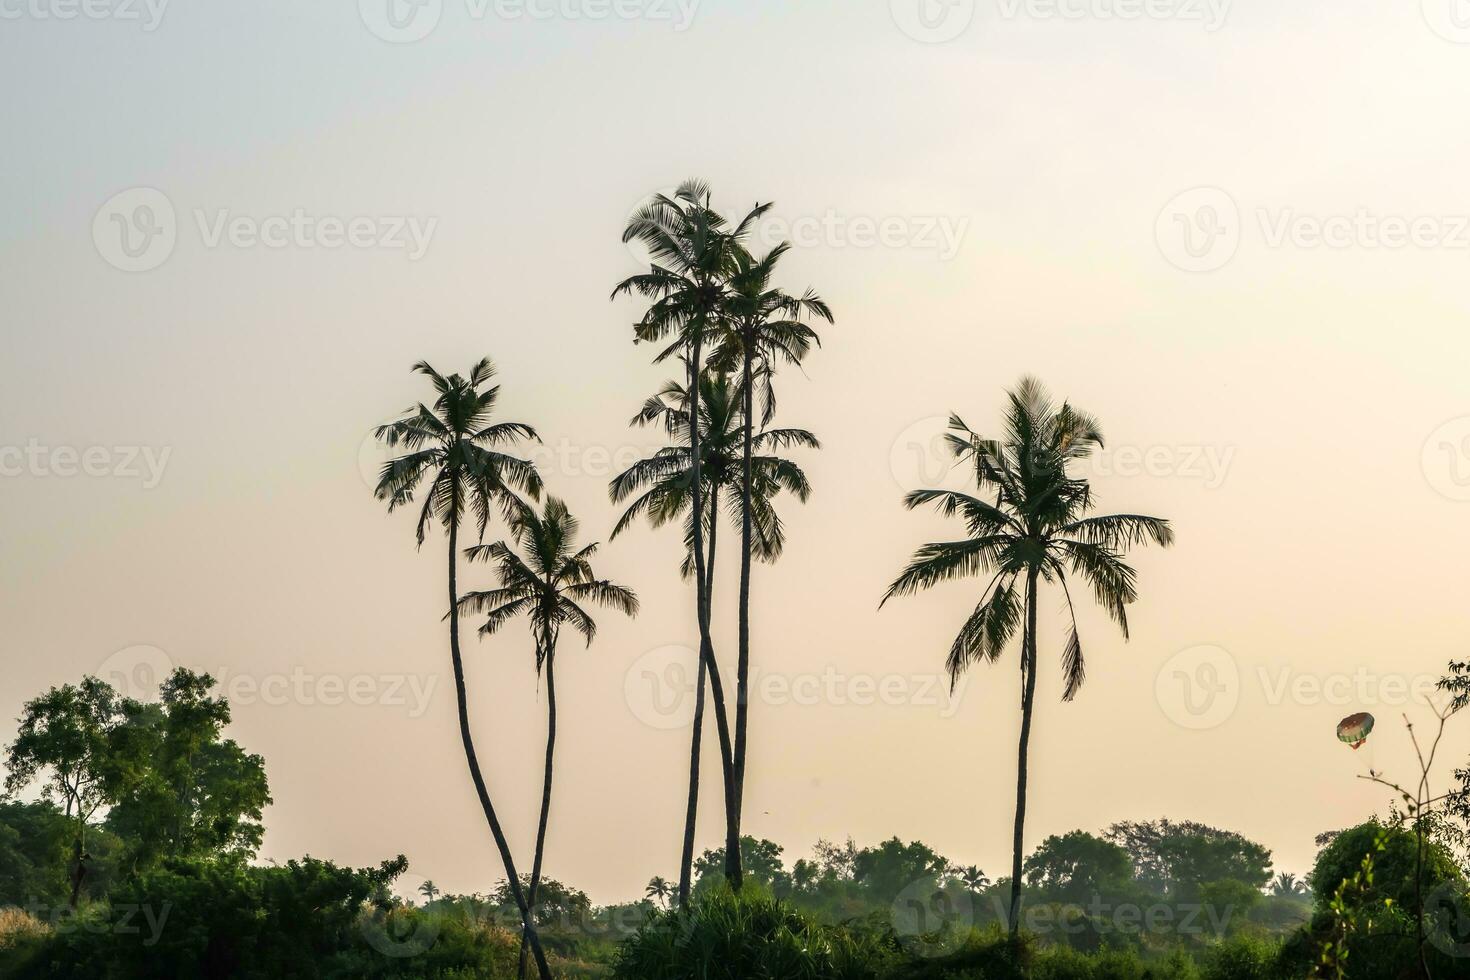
<point>696,742</point>
<point>79,850</point>
<point>706,645</point>
<point>517,893</point>
<point>733,869</point>
<point>1028,697</point>
<point>545,793</point>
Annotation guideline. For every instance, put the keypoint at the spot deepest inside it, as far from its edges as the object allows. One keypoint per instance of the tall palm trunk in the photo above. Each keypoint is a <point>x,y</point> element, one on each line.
<point>706,645</point>
<point>545,792</point>
<point>1028,697</point>
<point>542,969</point>
<point>742,669</point>
<point>696,742</point>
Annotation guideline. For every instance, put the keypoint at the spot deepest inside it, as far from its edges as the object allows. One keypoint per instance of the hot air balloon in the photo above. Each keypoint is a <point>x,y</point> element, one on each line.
<point>1355,729</point>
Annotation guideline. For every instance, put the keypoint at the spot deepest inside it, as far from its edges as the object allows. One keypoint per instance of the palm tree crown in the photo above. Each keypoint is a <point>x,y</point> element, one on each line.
<point>547,584</point>
<point>666,477</point>
<point>1037,525</point>
<point>456,442</point>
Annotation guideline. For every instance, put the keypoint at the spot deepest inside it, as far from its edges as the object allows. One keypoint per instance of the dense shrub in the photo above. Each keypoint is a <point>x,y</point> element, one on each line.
<point>724,937</point>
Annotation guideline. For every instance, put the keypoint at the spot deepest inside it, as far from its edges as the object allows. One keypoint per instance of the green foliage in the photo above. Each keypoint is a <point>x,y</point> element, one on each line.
<point>761,861</point>
<point>1395,857</point>
<point>184,791</point>
<point>34,848</point>
<point>1077,867</point>
<point>215,919</point>
<point>1179,858</point>
<point>721,936</point>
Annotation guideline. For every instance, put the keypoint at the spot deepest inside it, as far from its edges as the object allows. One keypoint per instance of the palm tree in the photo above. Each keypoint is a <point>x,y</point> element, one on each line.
<point>546,586</point>
<point>1036,530</point>
<point>658,890</point>
<point>455,447</point>
<point>429,890</point>
<point>666,479</point>
<point>693,253</point>
<point>1287,885</point>
<point>974,879</point>
<point>763,325</point>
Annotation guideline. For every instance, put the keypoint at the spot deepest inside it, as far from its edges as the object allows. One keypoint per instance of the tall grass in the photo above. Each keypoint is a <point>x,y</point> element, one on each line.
<point>17,925</point>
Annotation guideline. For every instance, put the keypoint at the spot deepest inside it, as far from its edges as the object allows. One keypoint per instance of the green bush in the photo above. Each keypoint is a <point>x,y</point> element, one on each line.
<point>721,936</point>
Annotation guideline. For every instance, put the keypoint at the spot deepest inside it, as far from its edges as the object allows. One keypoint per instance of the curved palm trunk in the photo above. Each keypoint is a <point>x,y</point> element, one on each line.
<point>1028,697</point>
<point>469,753</point>
<point>733,869</point>
<point>706,645</point>
<point>545,794</point>
<point>696,742</point>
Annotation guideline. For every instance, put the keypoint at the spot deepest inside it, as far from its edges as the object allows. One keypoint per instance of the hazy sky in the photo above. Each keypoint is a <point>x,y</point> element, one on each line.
<point>1236,233</point>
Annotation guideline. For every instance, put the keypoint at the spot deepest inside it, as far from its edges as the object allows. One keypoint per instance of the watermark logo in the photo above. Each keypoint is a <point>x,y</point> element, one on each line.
<point>401,21</point>
<point>659,687</point>
<point>136,672</point>
<point>933,21</point>
<point>1446,459</point>
<point>1450,19</point>
<point>1447,916</point>
<point>136,229</point>
<point>1198,688</point>
<point>920,457</point>
<point>1199,230</point>
<point>932,918</point>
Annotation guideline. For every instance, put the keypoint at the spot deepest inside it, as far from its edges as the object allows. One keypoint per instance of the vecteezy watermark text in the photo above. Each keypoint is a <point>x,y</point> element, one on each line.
<point>35,459</point>
<point>136,230</point>
<point>146,13</point>
<point>407,21</point>
<point>1202,230</point>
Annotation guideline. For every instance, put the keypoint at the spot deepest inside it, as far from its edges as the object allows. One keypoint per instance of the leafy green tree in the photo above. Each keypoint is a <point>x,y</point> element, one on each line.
<point>35,848</point>
<point>659,489</point>
<point>185,791</point>
<point>764,326</point>
<point>1077,868</point>
<point>456,448</point>
<point>893,866</point>
<point>1037,529</point>
<point>65,741</point>
<point>1178,858</point>
<point>548,586</point>
<point>760,859</point>
<point>693,251</point>
<point>1394,866</point>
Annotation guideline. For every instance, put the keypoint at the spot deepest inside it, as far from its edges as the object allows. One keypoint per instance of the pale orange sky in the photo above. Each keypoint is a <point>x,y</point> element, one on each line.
<point>1003,202</point>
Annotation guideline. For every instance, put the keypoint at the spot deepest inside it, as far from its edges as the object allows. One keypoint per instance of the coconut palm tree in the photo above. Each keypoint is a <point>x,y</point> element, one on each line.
<point>457,449</point>
<point>974,879</point>
<point>1287,885</point>
<point>666,479</point>
<point>548,586</point>
<point>763,326</point>
<point>1036,530</point>
<point>658,890</point>
<point>693,253</point>
<point>429,890</point>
